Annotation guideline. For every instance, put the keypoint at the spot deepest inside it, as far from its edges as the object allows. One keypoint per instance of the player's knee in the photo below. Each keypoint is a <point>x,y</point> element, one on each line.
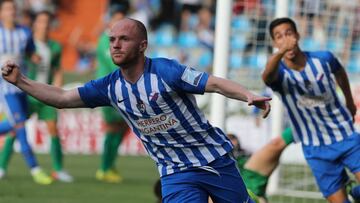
<point>338,196</point>
<point>277,144</point>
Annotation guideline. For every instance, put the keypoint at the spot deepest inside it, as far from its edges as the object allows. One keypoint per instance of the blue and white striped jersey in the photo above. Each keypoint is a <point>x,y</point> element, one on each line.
<point>14,45</point>
<point>317,115</point>
<point>162,111</point>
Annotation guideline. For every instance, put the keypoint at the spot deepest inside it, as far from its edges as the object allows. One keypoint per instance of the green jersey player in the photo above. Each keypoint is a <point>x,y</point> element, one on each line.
<point>115,126</point>
<point>257,168</point>
<point>48,71</point>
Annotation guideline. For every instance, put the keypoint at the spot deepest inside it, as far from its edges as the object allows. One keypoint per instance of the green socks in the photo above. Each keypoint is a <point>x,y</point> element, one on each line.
<point>116,140</point>
<point>111,145</point>
<point>7,151</point>
<point>56,153</point>
<point>287,136</point>
<point>106,155</point>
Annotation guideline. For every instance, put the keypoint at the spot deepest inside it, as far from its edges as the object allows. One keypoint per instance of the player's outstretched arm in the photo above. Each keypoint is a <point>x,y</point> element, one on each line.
<point>234,90</point>
<point>48,94</point>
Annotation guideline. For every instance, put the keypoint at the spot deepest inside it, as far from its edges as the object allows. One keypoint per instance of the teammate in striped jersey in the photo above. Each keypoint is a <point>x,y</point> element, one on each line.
<point>323,124</point>
<point>155,97</point>
<point>16,44</point>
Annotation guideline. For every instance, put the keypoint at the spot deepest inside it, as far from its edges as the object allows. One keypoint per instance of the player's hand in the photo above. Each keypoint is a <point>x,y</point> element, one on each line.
<point>11,72</point>
<point>289,43</point>
<point>260,102</point>
<point>352,108</point>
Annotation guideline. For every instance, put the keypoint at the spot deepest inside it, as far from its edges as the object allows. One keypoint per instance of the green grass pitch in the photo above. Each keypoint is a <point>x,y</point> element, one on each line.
<point>139,175</point>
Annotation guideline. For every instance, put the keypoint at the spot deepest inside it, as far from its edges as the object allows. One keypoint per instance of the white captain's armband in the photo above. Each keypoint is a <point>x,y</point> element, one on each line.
<point>191,76</point>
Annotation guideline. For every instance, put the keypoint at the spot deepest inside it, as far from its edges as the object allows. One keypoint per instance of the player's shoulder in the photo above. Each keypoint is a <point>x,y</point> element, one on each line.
<point>169,70</point>
<point>162,65</point>
<point>324,54</point>
<point>114,75</point>
<point>163,61</point>
<point>111,76</point>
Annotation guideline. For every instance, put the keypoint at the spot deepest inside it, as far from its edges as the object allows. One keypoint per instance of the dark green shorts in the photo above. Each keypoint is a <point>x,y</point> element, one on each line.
<point>45,112</point>
<point>255,182</point>
<point>111,115</point>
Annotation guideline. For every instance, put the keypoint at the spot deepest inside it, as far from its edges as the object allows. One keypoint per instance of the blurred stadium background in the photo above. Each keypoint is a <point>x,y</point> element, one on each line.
<point>183,30</point>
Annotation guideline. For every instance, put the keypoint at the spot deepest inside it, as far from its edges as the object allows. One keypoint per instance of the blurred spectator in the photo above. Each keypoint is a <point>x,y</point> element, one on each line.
<point>191,5</point>
<point>356,23</point>
<point>310,8</point>
<point>189,14</point>
<point>310,11</point>
<point>39,5</point>
<point>339,32</point>
<point>244,6</point>
<point>124,3</point>
<point>113,8</point>
<point>141,11</point>
<point>117,10</point>
<point>312,28</point>
<point>185,21</point>
<point>168,14</point>
<point>85,50</point>
<point>115,5</point>
<point>258,38</point>
<point>319,34</point>
<point>26,17</point>
<point>205,28</point>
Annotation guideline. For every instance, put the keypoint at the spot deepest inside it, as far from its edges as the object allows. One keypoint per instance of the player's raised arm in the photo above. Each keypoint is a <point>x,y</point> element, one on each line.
<point>270,73</point>
<point>48,94</point>
<point>234,90</point>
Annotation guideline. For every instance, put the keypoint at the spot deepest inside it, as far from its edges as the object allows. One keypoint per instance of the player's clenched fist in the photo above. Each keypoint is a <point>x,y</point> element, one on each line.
<point>289,43</point>
<point>10,72</point>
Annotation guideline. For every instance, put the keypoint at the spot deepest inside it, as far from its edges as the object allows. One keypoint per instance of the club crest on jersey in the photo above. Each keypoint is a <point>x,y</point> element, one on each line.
<point>191,76</point>
<point>154,96</point>
<point>308,85</point>
<point>319,77</point>
<point>141,106</point>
